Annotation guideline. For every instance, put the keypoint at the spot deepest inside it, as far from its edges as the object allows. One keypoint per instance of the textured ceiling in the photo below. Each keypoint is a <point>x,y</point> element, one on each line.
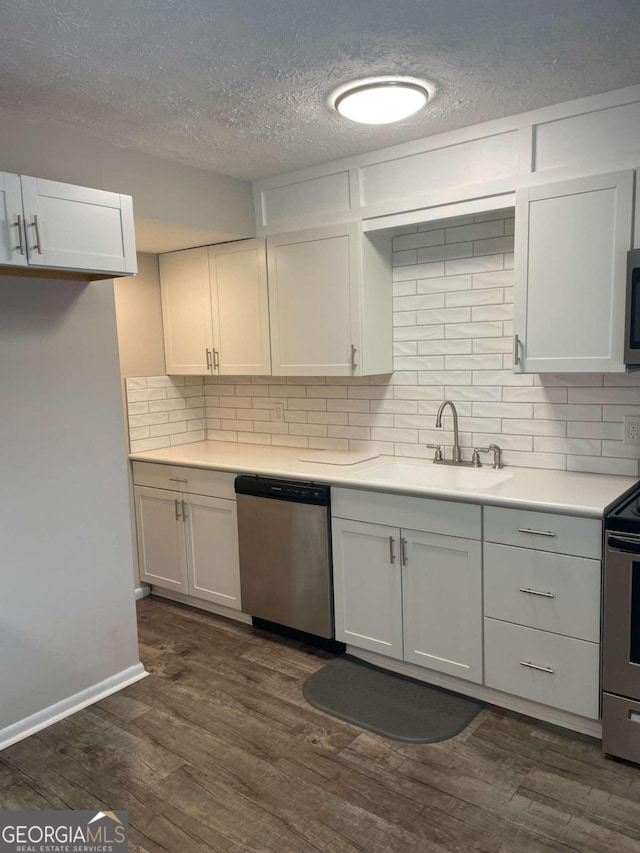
<point>240,86</point>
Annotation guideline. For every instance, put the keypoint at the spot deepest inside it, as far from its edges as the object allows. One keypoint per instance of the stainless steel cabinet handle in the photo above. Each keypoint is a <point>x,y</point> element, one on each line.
<point>209,365</point>
<point>516,349</point>
<point>354,363</point>
<point>537,592</point>
<point>184,509</point>
<point>178,479</point>
<point>38,246</point>
<point>177,509</point>
<point>536,532</point>
<point>392,556</point>
<point>403,551</point>
<point>216,360</point>
<point>18,225</point>
<point>530,665</point>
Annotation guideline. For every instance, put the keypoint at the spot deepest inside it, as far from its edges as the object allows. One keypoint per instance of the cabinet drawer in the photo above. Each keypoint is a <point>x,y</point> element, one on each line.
<point>568,673</point>
<point>197,481</point>
<point>544,531</point>
<point>424,514</point>
<point>552,592</point>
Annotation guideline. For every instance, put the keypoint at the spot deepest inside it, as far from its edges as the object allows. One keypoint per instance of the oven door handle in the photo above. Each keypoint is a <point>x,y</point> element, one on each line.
<point>621,543</point>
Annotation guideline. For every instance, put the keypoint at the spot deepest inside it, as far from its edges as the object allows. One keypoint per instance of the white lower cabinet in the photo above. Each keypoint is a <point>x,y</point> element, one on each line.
<point>442,595</point>
<point>409,595</point>
<point>367,586</point>
<point>211,528</point>
<point>542,608</point>
<point>161,539</point>
<point>548,668</point>
<point>189,544</point>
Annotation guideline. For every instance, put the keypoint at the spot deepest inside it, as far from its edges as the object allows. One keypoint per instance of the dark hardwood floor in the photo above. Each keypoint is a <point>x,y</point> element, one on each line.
<point>218,751</point>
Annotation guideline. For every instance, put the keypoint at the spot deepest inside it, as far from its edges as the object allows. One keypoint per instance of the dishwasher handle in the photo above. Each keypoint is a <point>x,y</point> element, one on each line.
<point>283,490</point>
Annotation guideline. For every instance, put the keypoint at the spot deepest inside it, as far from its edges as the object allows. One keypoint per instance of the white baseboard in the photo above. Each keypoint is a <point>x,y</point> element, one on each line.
<point>487,694</point>
<point>142,591</point>
<point>54,713</point>
<point>201,604</point>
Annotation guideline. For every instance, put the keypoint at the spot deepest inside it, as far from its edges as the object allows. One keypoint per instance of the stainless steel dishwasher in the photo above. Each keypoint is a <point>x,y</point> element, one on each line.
<point>285,553</point>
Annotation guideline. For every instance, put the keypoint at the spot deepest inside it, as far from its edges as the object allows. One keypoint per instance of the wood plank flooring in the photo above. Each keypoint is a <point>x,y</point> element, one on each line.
<point>218,751</point>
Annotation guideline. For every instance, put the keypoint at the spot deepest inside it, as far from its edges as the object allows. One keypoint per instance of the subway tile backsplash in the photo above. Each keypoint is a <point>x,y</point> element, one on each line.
<point>453,309</point>
<point>165,411</point>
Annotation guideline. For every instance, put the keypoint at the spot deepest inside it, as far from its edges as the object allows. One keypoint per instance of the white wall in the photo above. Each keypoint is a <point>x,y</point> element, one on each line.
<point>67,617</point>
<point>163,191</point>
<point>139,319</point>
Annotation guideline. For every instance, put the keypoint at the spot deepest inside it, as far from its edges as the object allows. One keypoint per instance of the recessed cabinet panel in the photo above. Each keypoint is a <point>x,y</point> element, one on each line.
<point>13,248</point>
<point>161,547</point>
<point>552,592</point>
<point>212,550</point>
<point>73,227</point>
<point>442,595</point>
<point>368,586</point>
<point>571,245</point>
<point>186,312</point>
<point>547,668</point>
<point>313,301</point>
<point>240,308</point>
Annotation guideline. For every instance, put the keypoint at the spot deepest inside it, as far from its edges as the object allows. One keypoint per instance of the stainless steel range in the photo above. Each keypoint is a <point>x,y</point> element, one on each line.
<point>621,633</point>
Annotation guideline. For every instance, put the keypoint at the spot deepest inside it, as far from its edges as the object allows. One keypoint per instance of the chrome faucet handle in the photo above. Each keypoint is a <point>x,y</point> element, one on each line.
<point>476,462</point>
<point>437,456</point>
<point>493,448</point>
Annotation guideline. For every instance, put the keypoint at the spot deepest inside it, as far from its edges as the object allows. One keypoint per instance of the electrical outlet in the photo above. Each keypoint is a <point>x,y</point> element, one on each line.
<point>278,412</point>
<point>631,430</point>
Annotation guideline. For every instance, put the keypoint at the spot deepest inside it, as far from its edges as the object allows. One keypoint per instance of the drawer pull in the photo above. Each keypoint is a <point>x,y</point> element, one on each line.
<point>392,556</point>
<point>537,592</point>
<point>530,665</point>
<point>536,532</point>
<point>178,479</point>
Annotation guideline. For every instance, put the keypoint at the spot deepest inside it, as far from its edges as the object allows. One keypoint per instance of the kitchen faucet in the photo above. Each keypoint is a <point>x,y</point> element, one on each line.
<point>456,437</point>
<point>475,462</point>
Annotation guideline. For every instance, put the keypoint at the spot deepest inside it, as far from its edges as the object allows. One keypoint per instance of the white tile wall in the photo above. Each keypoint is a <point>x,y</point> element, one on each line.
<point>165,411</point>
<point>453,303</point>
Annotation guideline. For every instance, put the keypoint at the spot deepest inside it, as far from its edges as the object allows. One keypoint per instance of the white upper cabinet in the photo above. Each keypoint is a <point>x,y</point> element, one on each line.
<point>330,302</point>
<point>48,225</point>
<point>570,266</point>
<point>13,248</point>
<point>186,312</point>
<point>215,310</point>
<point>69,227</point>
<point>240,308</point>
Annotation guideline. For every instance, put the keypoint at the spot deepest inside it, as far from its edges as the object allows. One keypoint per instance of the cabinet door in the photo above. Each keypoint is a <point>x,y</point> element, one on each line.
<point>571,244</point>
<point>13,248</point>
<point>240,308</point>
<point>314,302</point>
<point>186,312</point>
<point>161,546</point>
<point>442,593</point>
<point>367,586</point>
<point>212,549</point>
<point>78,228</point>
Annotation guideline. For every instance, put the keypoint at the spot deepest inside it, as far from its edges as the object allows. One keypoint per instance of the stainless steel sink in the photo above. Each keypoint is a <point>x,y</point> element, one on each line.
<point>403,473</point>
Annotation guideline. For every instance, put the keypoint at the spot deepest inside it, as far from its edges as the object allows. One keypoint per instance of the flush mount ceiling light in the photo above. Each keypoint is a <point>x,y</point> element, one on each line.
<point>382,101</point>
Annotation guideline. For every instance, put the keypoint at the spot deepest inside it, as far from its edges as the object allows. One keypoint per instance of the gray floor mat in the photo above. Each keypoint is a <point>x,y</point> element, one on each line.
<point>391,705</point>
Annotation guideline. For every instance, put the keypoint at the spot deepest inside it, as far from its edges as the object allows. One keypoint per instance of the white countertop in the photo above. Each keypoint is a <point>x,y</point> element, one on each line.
<point>528,488</point>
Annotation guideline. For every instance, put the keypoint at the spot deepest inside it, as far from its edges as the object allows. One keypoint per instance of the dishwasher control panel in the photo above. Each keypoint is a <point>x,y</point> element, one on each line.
<point>286,490</point>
